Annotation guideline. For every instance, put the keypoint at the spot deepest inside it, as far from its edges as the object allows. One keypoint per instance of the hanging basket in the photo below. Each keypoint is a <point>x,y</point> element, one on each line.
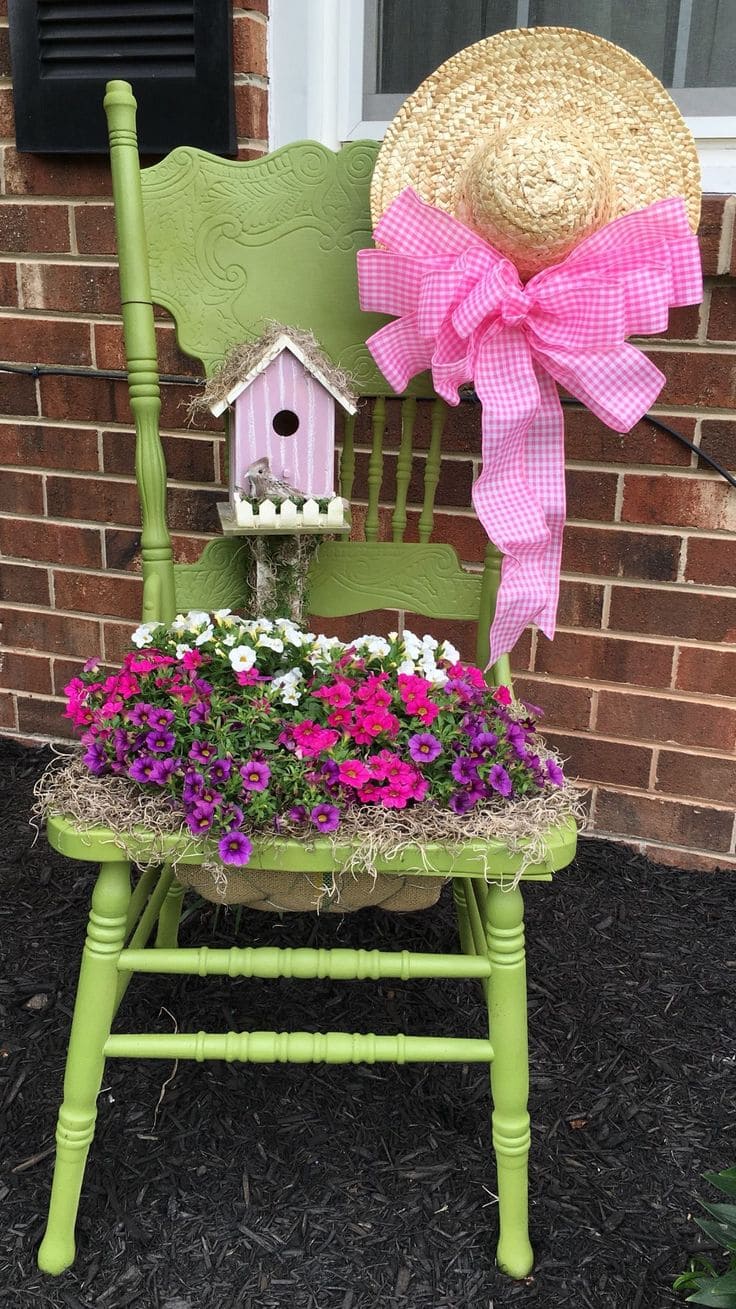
<point>277,892</point>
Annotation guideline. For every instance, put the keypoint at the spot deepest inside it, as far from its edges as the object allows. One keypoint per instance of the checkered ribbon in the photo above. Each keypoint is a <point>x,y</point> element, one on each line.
<point>461,310</point>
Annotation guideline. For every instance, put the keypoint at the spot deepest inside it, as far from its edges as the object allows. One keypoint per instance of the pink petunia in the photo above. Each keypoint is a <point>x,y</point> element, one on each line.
<point>353,773</point>
<point>311,739</point>
<point>338,695</point>
<point>502,695</point>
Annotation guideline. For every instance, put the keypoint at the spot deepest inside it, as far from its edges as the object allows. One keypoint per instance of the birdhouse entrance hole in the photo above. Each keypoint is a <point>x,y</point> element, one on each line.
<point>285,422</point>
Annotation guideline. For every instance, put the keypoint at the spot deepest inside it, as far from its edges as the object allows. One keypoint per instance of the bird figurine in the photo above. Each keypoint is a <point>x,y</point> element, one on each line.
<point>260,483</point>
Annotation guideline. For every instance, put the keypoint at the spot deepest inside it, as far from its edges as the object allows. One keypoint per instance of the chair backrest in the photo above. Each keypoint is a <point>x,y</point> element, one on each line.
<point>226,247</point>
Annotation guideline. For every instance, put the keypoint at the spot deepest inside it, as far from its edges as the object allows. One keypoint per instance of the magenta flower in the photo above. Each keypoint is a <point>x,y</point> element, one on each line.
<point>255,775</point>
<point>353,773</point>
<point>311,739</point>
<point>424,747</point>
<point>326,817</point>
<point>500,780</point>
<point>337,696</point>
<point>235,848</point>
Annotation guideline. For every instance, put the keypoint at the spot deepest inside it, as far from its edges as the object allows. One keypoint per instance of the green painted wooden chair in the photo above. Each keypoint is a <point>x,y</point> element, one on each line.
<point>225,246</point>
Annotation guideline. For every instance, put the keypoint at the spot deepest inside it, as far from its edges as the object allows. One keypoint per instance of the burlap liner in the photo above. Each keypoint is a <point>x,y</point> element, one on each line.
<point>68,788</point>
<point>247,355</point>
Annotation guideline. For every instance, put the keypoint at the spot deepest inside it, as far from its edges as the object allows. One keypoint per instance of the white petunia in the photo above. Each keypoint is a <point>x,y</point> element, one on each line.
<point>197,618</point>
<point>180,625</point>
<point>221,615</point>
<point>205,636</point>
<point>142,635</point>
<point>181,650</point>
<point>430,642</point>
<point>271,643</point>
<point>242,658</point>
<point>407,666</point>
<point>375,645</point>
<point>412,646</point>
<point>448,651</point>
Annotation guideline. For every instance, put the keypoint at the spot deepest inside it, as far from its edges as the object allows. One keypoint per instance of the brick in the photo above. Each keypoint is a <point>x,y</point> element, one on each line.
<point>32,445</point>
<point>193,510</point>
<point>257,6</point>
<point>681,501</point>
<point>110,350</point>
<point>8,716</point>
<point>62,672</point>
<point>697,775</point>
<point>187,459</point>
<point>453,489</point>
<point>712,560</point>
<point>8,286</point>
<point>684,322</point>
<point>709,231</point>
<point>248,152</point>
<point>673,613</point>
<point>44,340</point>
<point>5,70</point>
<point>249,45</point>
<point>50,542</point>
<point>41,717</point>
<point>95,228</point>
<point>25,672</point>
<point>620,553</point>
<point>117,640</point>
<point>718,438</point>
<point>565,706</point>
<point>604,659</point>
<point>122,549</point>
<point>71,288</point>
<point>377,621</point>
<point>586,437</point>
<point>50,633</point>
<point>97,399</point>
<point>590,494</point>
<point>7,116</point>
<point>27,584</point>
<point>52,175</point>
<point>712,672</point>
<point>251,112</point>
<point>465,534</point>
<point>92,497</point>
<point>699,379</point>
<point>38,229</point>
<point>175,401</point>
<point>670,821</point>
<point>722,316</point>
<point>690,860</point>
<point>95,593</point>
<point>666,720</point>
<point>590,759</point>
<point>18,392</point>
<point>21,493</point>
<point>580,604</point>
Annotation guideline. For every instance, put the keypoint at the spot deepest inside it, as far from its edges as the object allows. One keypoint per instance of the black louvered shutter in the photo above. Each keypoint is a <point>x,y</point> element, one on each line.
<point>176,53</point>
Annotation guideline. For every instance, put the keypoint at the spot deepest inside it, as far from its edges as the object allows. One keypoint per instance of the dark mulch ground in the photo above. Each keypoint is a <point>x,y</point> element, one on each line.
<point>344,1188</point>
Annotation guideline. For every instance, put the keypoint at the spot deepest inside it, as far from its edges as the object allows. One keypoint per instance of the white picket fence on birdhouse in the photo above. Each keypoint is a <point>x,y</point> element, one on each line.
<point>284,516</point>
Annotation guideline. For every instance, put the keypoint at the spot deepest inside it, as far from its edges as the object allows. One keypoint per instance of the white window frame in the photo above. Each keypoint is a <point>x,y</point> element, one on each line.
<point>316,62</point>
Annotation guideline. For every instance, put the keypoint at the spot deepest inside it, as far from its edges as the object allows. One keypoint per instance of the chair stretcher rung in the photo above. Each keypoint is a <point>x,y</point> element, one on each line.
<point>268,961</point>
<point>298,1047</point>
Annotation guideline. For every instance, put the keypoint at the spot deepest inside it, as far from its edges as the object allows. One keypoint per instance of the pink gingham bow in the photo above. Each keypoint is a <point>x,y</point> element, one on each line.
<point>462,310</point>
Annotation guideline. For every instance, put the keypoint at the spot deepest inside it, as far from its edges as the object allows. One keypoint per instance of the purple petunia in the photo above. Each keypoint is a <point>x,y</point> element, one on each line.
<point>484,741</point>
<point>255,775</point>
<point>202,752</point>
<point>138,715</point>
<point>220,770</point>
<point>200,817</point>
<point>424,747</point>
<point>326,817</point>
<point>465,770</point>
<point>231,817</point>
<point>500,780</point>
<point>199,714</point>
<point>193,785</point>
<point>142,768</point>
<point>160,742</point>
<point>235,848</point>
<point>164,769</point>
<point>96,759</point>
<point>297,813</point>
<point>554,773</point>
<point>461,801</point>
<point>158,717</point>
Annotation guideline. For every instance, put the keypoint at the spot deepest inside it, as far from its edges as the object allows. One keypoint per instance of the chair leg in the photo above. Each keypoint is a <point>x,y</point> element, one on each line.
<point>167,933</point>
<point>93,1013</point>
<point>507,1016</point>
<point>461,914</point>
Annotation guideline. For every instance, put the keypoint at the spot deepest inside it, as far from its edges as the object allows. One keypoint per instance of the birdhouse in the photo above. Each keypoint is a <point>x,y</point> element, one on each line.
<point>283,391</point>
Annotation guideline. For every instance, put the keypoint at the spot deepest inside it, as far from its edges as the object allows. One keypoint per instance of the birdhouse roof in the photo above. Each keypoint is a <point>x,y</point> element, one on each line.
<point>244,366</point>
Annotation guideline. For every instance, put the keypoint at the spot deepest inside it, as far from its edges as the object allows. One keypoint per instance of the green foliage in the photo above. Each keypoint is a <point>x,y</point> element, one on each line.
<point>708,1286</point>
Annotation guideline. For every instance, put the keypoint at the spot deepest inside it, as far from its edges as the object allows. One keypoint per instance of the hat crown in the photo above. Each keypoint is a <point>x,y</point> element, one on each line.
<point>534,190</point>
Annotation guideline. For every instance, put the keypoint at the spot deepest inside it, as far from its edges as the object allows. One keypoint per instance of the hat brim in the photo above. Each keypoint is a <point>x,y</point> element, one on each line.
<point>560,73</point>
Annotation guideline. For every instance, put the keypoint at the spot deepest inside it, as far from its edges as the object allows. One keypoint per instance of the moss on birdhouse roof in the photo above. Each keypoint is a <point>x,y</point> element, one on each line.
<point>245,361</point>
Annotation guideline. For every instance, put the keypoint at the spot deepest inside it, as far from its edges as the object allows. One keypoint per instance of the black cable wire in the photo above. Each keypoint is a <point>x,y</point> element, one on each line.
<point>119,375</point>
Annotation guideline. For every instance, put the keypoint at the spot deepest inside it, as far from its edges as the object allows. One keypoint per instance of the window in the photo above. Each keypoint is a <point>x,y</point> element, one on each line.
<point>341,68</point>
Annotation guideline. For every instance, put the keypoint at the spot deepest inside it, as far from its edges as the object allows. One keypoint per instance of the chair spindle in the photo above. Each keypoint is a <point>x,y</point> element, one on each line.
<point>432,470</point>
<point>375,469</point>
<point>403,467</point>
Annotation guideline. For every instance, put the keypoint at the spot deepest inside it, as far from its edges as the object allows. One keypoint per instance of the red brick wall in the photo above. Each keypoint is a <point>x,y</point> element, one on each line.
<point>638,685</point>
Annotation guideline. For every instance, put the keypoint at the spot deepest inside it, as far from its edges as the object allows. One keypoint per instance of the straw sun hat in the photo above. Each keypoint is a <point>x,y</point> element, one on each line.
<point>536,138</point>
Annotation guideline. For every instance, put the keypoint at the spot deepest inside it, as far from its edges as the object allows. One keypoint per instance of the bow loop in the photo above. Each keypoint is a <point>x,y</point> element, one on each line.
<point>464,312</point>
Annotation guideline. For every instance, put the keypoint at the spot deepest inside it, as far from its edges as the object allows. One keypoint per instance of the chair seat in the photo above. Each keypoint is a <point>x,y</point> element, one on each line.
<point>478,859</point>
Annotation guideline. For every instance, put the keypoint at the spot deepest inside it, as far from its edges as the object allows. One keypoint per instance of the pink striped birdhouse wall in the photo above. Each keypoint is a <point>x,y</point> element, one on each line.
<point>285,412</point>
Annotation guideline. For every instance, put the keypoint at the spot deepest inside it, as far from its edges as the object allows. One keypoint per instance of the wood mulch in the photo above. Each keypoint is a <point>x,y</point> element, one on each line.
<point>355,1187</point>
